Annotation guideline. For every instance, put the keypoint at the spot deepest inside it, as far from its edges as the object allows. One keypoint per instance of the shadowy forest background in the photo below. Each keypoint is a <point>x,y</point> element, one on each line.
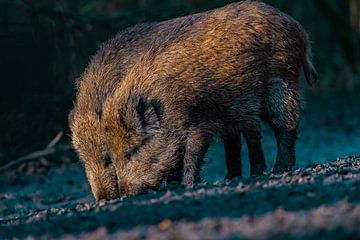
<point>45,45</point>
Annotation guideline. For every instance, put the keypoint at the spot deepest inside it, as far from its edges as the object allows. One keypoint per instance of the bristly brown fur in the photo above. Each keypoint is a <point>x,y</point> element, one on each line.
<point>153,97</point>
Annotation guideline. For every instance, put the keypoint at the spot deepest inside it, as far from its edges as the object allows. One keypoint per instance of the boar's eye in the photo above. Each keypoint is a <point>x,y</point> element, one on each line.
<point>107,160</point>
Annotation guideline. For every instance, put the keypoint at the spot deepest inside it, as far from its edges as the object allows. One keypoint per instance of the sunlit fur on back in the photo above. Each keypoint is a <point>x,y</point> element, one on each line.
<point>189,79</point>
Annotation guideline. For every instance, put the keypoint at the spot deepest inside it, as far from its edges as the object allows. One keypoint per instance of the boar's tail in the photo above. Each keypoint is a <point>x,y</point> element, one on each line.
<point>310,72</point>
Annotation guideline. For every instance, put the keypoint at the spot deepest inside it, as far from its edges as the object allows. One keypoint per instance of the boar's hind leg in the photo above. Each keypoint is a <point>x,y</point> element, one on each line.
<point>282,109</point>
<point>285,158</point>
<point>232,145</point>
<point>256,154</point>
<point>196,147</point>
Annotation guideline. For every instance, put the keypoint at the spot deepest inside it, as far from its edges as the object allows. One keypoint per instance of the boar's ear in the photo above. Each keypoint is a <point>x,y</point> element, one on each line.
<point>147,113</point>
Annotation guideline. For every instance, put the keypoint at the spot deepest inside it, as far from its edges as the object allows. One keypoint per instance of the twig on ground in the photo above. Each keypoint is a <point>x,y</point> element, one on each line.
<point>35,155</point>
<point>55,140</point>
<point>50,149</point>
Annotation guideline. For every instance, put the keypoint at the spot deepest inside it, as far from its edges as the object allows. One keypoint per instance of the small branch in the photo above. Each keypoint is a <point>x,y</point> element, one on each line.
<point>55,140</point>
<point>50,149</point>
<point>35,155</point>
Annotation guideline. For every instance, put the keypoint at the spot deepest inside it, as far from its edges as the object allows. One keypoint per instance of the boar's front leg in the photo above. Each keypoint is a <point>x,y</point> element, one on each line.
<point>232,145</point>
<point>197,144</point>
<point>173,179</point>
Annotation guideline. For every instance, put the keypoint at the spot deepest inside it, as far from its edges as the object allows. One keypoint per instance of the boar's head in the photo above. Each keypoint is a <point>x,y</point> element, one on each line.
<point>142,150</point>
<point>88,141</point>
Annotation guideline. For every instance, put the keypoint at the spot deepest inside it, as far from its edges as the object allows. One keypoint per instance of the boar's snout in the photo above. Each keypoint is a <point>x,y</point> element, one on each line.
<point>103,184</point>
<point>105,194</point>
<point>102,196</point>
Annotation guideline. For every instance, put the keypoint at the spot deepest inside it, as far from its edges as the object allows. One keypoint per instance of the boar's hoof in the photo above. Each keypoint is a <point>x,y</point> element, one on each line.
<point>190,182</point>
<point>229,176</point>
<point>257,170</point>
<point>173,185</point>
<point>281,168</point>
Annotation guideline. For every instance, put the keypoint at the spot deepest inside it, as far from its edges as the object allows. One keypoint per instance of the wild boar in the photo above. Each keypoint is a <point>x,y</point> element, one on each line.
<point>138,121</point>
<point>99,80</point>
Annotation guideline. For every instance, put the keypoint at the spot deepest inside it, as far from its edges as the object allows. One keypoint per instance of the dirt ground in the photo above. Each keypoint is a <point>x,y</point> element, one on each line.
<point>320,199</point>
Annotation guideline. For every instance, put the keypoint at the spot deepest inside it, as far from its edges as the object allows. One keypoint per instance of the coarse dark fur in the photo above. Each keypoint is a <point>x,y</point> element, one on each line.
<point>153,97</point>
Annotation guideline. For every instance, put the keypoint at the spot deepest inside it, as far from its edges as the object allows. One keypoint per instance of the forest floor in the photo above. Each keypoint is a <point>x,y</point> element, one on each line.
<point>320,199</point>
